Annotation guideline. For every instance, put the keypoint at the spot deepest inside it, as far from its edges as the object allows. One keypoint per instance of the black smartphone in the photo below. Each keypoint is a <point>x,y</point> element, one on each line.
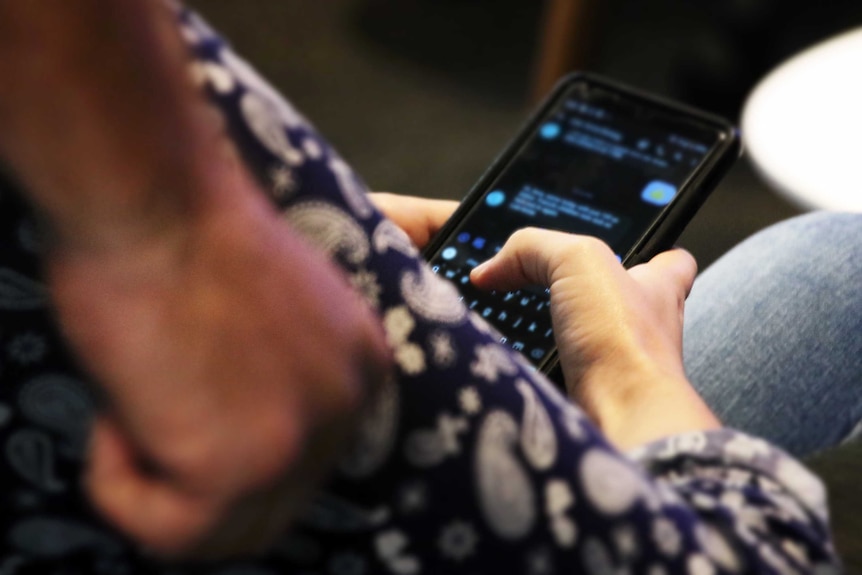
<point>597,158</point>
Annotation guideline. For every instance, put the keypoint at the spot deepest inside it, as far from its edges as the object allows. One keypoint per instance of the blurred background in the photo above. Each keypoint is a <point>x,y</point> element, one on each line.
<point>419,95</point>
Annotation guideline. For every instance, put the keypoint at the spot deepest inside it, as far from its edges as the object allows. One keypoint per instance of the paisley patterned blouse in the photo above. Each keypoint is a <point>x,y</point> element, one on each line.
<point>469,462</point>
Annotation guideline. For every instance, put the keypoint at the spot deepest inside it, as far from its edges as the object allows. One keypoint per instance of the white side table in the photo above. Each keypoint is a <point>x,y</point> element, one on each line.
<point>802,126</point>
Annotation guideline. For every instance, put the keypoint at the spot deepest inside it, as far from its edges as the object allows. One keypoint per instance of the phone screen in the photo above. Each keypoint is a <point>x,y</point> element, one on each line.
<point>597,162</point>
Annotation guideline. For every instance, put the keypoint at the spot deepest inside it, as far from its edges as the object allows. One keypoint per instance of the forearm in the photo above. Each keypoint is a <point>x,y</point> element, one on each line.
<point>97,114</point>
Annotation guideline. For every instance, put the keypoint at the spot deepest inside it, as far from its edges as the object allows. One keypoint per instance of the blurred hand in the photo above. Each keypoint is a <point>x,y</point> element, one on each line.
<point>234,359</point>
<point>619,332</point>
<point>233,355</point>
<point>420,218</point>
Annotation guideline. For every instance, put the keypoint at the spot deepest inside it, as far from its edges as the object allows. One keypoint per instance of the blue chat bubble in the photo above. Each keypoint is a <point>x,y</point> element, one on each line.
<point>495,198</point>
<point>550,130</point>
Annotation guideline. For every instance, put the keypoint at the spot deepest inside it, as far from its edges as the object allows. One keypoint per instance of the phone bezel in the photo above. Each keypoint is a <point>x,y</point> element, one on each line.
<point>670,222</point>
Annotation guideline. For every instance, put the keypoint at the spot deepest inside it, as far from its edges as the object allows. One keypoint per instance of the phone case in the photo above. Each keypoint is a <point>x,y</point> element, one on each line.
<point>667,227</point>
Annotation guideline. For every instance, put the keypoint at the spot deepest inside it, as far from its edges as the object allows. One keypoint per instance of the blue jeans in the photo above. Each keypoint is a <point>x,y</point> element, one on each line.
<point>773,333</point>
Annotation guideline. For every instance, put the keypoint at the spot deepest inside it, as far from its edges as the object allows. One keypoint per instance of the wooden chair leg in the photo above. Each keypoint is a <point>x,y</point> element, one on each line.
<point>565,41</point>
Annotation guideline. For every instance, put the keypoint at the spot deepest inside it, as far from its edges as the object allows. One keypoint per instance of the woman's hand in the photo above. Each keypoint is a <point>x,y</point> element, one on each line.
<point>421,218</point>
<point>619,332</point>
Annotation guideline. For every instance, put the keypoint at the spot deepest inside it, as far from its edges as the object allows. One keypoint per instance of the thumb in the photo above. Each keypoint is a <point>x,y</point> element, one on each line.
<point>675,268</point>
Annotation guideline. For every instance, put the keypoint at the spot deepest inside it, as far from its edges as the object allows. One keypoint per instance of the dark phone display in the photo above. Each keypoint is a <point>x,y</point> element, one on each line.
<point>596,164</point>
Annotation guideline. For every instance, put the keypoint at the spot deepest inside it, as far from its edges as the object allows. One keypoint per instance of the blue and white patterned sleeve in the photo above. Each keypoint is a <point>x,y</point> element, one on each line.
<point>466,462</point>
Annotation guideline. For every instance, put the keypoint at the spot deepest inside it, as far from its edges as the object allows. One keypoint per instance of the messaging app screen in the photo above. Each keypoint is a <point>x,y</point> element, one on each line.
<point>596,165</point>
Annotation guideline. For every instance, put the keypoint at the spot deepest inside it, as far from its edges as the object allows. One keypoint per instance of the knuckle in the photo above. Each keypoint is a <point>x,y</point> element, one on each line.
<point>255,453</point>
<point>524,237</point>
<point>195,459</point>
<point>586,249</point>
<point>593,247</point>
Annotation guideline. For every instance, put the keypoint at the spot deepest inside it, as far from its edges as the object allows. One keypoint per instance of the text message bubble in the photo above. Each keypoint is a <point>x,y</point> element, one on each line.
<point>555,212</point>
<point>605,141</point>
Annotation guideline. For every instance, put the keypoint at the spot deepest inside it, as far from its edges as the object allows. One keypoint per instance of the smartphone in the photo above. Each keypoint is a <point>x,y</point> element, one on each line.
<point>597,158</point>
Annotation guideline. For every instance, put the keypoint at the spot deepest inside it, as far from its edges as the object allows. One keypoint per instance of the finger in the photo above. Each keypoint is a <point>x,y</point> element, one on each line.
<point>421,218</point>
<point>676,267</point>
<point>534,256</point>
<point>145,507</point>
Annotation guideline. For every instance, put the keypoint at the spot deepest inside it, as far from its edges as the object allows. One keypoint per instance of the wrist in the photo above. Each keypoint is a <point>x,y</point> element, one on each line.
<point>640,402</point>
